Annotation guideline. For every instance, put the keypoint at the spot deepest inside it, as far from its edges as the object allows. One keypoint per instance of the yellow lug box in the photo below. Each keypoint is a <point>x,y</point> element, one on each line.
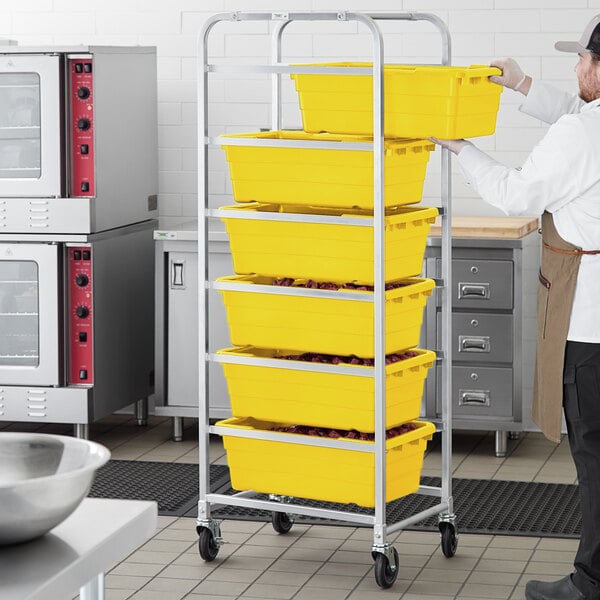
<point>268,316</point>
<point>323,473</point>
<point>328,247</point>
<point>324,177</point>
<point>271,388</point>
<point>421,101</point>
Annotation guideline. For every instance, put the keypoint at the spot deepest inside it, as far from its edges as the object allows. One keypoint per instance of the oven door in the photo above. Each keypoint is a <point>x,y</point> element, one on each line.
<point>30,126</point>
<point>29,309</point>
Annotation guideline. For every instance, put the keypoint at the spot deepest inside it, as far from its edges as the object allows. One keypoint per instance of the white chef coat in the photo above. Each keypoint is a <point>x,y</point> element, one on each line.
<point>562,176</point>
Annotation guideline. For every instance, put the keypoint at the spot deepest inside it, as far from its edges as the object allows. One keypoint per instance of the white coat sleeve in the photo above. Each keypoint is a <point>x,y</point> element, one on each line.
<point>545,181</point>
<point>547,103</point>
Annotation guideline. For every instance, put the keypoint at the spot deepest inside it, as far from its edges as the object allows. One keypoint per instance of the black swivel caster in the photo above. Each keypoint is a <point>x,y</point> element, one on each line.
<point>282,522</point>
<point>207,545</point>
<point>386,573</point>
<point>449,540</point>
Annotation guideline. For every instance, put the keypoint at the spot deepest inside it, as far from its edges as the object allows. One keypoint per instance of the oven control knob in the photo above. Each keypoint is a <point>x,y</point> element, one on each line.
<point>84,124</point>
<point>83,93</point>
<point>82,312</point>
<point>82,280</point>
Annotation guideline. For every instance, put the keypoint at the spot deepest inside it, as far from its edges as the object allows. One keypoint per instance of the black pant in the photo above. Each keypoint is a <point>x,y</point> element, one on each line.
<point>582,411</point>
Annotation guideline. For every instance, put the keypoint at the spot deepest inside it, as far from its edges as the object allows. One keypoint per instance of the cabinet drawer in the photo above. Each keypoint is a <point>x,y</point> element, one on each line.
<point>479,391</point>
<point>482,284</point>
<point>481,337</point>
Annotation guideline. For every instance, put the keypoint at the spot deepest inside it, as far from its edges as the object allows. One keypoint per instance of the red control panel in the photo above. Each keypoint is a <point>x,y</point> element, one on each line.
<point>81,330</point>
<point>82,127</point>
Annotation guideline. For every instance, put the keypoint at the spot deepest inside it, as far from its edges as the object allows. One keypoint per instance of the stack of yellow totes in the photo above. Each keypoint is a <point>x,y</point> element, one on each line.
<point>301,308</point>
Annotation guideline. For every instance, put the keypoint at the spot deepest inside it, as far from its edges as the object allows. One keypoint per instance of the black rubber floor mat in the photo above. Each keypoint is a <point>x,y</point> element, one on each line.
<point>174,486</point>
<point>481,506</point>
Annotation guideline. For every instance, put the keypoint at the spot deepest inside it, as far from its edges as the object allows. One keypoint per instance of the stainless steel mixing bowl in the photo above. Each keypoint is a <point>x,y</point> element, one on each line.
<point>43,478</point>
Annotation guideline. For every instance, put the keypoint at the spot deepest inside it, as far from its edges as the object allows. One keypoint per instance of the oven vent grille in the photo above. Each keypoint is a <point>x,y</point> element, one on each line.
<point>36,403</point>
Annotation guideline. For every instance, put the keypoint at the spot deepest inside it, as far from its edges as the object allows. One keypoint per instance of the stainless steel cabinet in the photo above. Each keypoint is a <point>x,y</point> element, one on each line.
<point>493,328</point>
<point>176,335</point>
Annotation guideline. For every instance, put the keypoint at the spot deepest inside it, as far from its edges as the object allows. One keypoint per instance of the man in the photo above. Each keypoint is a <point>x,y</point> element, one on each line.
<point>561,181</point>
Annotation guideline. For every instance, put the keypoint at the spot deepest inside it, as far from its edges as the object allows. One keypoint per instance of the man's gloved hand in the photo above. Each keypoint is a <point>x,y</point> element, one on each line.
<point>455,146</point>
<point>512,75</point>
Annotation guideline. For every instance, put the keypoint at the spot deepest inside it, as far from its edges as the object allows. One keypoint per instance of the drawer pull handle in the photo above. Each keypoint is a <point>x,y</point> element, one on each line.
<point>474,398</point>
<point>474,290</point>
<point>474,344</point>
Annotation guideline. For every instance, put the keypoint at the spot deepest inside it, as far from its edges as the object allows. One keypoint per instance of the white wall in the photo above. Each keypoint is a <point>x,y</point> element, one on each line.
<point>480,29</point>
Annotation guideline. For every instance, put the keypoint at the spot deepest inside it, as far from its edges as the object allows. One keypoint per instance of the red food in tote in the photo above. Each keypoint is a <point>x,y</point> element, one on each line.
<point>348,360</point>
<point>350,434</point>
<point>328,285</point>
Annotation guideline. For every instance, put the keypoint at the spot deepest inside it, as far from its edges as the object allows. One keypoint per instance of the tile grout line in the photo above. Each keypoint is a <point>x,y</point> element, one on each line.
<point>272,561</point>
<point>484,548</point>
<point>326,561</point>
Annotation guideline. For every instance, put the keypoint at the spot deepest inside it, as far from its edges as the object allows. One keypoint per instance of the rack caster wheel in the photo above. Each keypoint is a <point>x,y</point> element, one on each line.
<point>282,522</point>
<point>449,541</point>
<point>207,545</point>
<point>386,574</point>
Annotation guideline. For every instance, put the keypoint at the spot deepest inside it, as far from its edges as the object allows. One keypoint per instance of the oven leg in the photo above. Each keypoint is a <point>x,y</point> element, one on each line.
<point>141,411</point>
<point>81,430</point>
<point>177,429</point>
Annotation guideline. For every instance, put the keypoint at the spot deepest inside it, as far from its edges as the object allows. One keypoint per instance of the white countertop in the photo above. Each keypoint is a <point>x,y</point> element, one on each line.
<point>184,228</point>
<point>98,534</point>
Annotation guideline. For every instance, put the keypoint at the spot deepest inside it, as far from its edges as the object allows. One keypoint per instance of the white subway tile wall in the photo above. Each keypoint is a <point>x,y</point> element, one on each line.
<point>480,29</point>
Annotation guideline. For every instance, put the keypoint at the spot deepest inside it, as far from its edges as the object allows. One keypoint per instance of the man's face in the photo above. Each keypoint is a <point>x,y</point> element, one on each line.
<point>588,75</point>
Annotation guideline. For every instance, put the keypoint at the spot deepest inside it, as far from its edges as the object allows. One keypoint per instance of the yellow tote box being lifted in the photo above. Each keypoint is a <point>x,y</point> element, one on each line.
<point>269,385</point>
<point>324,176</point>
<point>421,101</point>
<point>321,472</point>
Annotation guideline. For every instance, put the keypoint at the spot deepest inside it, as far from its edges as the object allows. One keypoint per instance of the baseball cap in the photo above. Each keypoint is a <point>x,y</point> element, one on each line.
<point>589,41</point>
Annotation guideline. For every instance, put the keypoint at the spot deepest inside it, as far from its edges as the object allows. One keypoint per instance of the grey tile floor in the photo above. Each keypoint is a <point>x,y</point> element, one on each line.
<point>329,562</point>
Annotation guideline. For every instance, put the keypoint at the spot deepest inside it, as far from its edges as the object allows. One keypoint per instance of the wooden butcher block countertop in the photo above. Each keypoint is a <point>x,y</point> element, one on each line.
<point>488,227</point>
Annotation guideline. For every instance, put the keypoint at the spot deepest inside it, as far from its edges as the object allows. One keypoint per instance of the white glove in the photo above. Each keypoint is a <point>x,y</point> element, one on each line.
<point>455,146</point>
<point>512,75</point>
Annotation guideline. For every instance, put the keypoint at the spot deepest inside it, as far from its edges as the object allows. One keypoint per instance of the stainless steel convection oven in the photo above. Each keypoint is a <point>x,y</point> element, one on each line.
<point>78,202</point>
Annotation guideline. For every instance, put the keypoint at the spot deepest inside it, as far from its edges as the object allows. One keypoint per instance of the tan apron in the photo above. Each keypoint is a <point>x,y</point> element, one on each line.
<point>558,277</point>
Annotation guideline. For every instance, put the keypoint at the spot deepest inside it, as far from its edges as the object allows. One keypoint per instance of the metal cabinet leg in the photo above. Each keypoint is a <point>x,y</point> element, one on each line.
<point>501,443</point>
<point>81,430</point>
<point>177,429</point>
<point>141,411</point>
<point>93,589</point>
